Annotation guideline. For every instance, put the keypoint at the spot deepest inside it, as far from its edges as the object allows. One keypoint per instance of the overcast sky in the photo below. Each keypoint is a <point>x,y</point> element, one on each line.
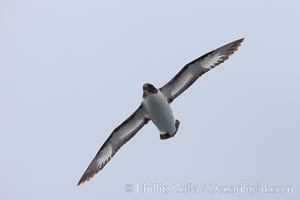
<point>71,71</point>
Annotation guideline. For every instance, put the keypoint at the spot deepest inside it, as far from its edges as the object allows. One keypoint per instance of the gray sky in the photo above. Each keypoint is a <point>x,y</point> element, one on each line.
<point>71,71</point>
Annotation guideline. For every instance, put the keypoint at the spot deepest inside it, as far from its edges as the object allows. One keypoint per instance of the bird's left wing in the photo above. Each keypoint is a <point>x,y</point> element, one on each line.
<point>118,137</point>
<point>193,70</point>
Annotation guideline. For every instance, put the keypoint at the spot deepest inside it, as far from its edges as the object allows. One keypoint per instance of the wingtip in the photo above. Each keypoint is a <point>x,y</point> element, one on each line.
<point>233,46</point>
<point>240,40</point>
<point>88,175</point>
<point>85,177</point>
<point>83,180</point>
<point>80,182</point>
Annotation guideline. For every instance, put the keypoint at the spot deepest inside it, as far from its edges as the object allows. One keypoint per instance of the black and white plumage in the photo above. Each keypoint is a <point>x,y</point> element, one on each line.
<point>156,107</point>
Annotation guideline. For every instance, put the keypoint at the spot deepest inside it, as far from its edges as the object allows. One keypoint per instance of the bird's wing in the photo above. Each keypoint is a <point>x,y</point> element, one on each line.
<point>118,137</point>
<point>193,70</point>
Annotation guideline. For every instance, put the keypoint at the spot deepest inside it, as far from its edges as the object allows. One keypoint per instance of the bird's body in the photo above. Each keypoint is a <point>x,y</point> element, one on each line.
<point>156,107</point>
<point>159,111</point>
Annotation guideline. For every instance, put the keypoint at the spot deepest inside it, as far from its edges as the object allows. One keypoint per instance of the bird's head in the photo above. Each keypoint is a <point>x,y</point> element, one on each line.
<point>149,88</point>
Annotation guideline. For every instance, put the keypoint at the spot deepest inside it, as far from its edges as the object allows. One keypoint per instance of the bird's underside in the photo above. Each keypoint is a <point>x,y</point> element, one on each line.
<point>152,98</point>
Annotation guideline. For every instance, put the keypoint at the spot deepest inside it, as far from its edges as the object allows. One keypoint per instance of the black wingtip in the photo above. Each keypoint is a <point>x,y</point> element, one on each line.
<point>80,181</point>
<point>233,46</point>
<point>85,177</point>
<point>239,40</point>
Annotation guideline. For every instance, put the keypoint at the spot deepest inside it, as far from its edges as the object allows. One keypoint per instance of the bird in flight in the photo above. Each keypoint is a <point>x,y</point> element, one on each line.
<point>155,106</point>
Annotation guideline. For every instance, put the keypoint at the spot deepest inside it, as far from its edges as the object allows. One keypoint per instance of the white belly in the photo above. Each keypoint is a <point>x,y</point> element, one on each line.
<point>159,110</point>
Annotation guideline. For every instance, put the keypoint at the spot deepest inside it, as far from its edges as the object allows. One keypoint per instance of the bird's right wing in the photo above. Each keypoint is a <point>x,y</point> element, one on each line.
<point>118,137</point>
<point>193,70</point>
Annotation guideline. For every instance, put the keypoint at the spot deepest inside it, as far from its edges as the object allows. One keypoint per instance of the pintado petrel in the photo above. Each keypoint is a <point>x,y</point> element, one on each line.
<point>156,107</point>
